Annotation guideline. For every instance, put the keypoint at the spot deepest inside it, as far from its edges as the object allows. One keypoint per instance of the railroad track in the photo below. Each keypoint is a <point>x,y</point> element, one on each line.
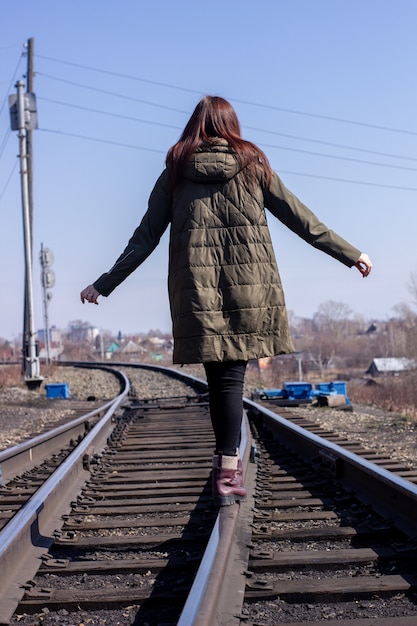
<point>333,534</point>
<point>327,533</point>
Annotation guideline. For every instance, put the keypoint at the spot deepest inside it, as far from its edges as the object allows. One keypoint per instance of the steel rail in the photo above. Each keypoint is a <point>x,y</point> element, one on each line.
<point>27,454</point>
<point>390,494</point>
<point>201,607</point>
<point>30,532</point>
<point>211,597</point>
<point>394,497</point>
<point>201,604</point>
<point>169,371</point>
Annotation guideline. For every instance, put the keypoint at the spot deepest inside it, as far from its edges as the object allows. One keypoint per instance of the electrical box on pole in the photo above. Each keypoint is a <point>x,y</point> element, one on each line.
<point>30,113</point>
<point>46,257</point>
<point>48,279</point>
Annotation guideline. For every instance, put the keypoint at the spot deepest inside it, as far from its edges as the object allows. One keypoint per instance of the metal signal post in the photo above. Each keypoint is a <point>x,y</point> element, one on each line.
<point>48,280</point>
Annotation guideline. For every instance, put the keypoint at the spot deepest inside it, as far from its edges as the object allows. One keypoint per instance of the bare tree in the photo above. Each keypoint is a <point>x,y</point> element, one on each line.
<point>403,331</point>
<point>332,317</point>
<point>412,286</point>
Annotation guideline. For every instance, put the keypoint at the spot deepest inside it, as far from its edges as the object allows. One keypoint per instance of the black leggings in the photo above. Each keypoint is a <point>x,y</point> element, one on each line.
<point>225,382</point>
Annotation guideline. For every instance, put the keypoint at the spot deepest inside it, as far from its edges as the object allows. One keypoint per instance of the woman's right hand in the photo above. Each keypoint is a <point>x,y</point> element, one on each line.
<point>90,294</point>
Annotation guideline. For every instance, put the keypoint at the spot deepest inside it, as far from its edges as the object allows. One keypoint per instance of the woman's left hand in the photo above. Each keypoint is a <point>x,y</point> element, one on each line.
<point>364,265</point>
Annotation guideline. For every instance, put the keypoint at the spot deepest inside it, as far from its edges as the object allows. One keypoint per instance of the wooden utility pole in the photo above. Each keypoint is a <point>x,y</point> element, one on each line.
<point>30,89</point>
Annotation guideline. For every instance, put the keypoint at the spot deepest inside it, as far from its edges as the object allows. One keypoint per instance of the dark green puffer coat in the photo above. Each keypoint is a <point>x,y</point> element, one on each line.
<point>225,291</point>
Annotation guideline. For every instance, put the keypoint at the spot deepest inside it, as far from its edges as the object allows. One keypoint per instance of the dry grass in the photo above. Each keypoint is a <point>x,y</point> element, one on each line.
<point>397,394</point>
<point>10,376</point>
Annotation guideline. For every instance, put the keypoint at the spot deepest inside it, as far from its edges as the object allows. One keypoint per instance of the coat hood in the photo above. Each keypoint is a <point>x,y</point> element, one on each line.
<point>213,163</point>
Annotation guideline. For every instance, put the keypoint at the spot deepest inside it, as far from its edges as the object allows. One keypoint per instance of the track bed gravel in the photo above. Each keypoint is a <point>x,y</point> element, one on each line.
<point>24,413</point>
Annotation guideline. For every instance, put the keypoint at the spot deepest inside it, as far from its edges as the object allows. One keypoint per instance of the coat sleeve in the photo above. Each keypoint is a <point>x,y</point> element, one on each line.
<point>144,240</point>
<point>298,218</point>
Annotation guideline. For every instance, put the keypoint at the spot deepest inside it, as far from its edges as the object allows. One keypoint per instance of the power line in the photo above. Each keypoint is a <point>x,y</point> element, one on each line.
<point>262,130</point>
<point>119,75</point>
<point>8,181</point>
<point>346,180</point>
<point>134,147</point>
<point>97,139</point>
<point>110,114</point>
<point>329,118</point>
<point>8,47</point>
<point>4,141</point>
<point>279,147</point>
<point>111,93</point>
<point>333,145</point>
<point>170,108</point>
<point>340,158</point>
<point>257,104</point>
<point>5,99</point>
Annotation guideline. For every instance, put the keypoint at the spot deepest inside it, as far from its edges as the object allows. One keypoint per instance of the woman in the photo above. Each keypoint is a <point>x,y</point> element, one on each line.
<point>226,299</point>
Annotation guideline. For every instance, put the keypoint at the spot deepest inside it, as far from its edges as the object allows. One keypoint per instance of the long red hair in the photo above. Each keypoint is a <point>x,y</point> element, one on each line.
<point>214,118</point>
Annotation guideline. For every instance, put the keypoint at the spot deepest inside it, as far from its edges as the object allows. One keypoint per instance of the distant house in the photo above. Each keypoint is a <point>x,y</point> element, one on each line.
<point>111,349</point>
<point>54,353</point>
<point>81,332</point>
<point>392,365</point>
<point>54,335</point>
<point>132,350</point>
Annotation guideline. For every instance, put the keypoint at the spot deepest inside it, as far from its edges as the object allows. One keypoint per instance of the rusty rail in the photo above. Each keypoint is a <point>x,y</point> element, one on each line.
<point>217,594</point>
<point>391,495</point>
<point>29,534</point>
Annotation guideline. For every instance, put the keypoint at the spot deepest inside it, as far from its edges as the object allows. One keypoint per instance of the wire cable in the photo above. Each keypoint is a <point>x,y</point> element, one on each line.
<point>257,104</point>
<point>8,181</point>
<point>334,145</point>
<point>97,139</point>
<point>5,99</point>
<point>262,130</point>
<point>111,93</point>
<point>279,147</point>
<point>108,113</point>
<point>125,145</point>
<point>4,141</point>
<point>346,180</point>
<point>340,158</point>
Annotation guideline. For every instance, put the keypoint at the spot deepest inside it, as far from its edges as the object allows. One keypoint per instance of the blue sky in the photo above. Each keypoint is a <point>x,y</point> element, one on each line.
<point>327,89</point>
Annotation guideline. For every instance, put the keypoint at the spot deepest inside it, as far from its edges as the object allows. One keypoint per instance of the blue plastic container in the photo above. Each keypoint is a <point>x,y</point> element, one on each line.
<point>332,387</point>
<point>57,390</point>
<point>297,390</point>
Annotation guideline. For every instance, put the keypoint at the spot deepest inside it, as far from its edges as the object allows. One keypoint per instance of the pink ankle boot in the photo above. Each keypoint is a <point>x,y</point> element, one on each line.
<point>227,480</point>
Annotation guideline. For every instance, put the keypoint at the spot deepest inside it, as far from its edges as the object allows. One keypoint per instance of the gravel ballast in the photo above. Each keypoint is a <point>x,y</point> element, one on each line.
<point>25,413</point>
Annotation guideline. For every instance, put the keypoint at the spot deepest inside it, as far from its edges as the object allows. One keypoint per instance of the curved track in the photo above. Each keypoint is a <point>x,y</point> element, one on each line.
<point>326,534</point>
<point>64,456</point>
